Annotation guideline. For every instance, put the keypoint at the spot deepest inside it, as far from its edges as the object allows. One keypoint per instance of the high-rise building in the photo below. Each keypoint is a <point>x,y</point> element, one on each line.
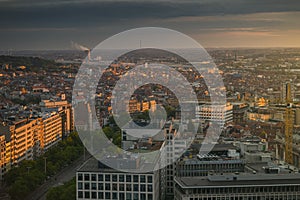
<point>175,144</point>
<point>284,89</point>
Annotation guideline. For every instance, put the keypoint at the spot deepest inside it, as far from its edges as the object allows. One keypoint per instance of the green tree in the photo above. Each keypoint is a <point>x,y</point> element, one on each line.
<point>63,192</point>
<point>28,175</point>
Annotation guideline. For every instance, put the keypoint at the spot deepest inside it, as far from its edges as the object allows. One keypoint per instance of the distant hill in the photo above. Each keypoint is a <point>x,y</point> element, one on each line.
<point>31,63</point>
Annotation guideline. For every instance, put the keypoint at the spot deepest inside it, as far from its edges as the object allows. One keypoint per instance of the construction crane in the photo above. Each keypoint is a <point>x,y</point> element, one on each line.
<point>288,125</point>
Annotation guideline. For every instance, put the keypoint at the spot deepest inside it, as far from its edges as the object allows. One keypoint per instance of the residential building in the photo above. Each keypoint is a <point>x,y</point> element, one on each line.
<point>239,112</point>
<point>25,137</point>
<point>52,130</point>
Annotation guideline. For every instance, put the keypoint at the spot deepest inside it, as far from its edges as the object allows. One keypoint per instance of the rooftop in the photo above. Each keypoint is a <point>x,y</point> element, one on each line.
<point>240,180</point>
<point>132,165</point>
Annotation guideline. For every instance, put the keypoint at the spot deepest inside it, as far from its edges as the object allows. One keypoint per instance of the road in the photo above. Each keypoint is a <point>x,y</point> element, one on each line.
<point>63,176</point>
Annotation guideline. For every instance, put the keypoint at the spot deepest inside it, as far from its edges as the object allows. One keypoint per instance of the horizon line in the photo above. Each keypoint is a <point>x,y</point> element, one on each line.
<point>211,47</point>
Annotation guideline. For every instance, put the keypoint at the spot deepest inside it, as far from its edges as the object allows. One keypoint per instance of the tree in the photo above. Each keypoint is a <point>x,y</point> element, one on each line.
<point>63,192</point>
<point>28,175</point>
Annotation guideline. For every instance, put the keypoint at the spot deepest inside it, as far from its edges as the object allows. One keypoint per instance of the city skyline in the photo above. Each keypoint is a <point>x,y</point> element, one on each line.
<point>149,99</point>
<point>45,25</point>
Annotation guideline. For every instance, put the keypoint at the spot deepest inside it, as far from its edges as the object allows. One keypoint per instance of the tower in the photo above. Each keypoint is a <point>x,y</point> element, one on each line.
<point>288,126</point>
<point>284,91</point>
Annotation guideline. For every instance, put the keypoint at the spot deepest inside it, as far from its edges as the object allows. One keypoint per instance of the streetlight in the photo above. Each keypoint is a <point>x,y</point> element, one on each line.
<point>45,159</point>
<point>28,168</point>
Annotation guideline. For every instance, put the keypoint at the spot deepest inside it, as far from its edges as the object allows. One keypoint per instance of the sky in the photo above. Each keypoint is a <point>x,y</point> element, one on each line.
<point>53,24</point>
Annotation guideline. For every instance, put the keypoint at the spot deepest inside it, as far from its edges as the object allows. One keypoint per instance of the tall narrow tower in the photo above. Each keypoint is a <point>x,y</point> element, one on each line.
<point>288,125</point>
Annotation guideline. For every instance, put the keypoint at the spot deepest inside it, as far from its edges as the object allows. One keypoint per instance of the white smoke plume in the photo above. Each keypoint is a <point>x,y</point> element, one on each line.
<point>79,47</point>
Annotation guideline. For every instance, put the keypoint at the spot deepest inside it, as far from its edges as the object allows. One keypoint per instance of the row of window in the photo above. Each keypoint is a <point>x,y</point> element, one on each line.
<point>231,190</point>
<point>115,187</point>
<point>114,195</point>
<point>115,178</point>
<point>265,197</point>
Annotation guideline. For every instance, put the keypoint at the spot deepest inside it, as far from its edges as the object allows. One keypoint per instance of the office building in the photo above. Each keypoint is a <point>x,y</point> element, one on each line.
<point>95,180</point>
<point>208,164</point>
<point>220,114</point>
<point>238,187</point>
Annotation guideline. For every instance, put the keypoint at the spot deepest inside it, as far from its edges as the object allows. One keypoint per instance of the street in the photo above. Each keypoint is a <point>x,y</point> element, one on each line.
<point>65,175</point>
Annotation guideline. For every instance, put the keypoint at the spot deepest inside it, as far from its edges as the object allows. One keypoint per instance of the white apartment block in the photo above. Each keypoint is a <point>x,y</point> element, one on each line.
<point>219,113</point>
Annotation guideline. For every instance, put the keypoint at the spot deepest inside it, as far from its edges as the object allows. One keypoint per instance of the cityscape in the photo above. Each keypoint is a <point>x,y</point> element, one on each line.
<point>135,112</point>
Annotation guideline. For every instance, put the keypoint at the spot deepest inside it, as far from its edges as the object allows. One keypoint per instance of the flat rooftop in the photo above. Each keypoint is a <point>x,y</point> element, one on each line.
<point>241,180</point>
<point>260,167</point>
<point>217,147</point>
<point>92,165</point>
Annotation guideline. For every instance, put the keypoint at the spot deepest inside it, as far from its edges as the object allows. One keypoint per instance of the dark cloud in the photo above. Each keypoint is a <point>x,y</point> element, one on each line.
<point>89,13</point>
<point>73,18</point>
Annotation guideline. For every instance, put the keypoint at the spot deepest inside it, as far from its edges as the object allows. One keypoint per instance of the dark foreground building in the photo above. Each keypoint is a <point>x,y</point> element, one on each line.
<point>239,187</point>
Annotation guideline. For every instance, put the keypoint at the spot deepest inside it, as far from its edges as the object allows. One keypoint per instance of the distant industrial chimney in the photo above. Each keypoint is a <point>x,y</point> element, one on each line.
<point>83,48</point>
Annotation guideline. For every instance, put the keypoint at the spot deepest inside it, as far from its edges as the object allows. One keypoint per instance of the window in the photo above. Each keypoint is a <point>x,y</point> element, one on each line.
<point>107,186</point>
<point>149,188</point>
<point>80,194</point>
<point>86,186</point>
<point>149,179</point>
<point>94,195</point>
<point>100,186</point>
<point>128,178</point>
<point>80,177</point>
<point>143,196</point>
<point>135,196</point>
<point>86,177</point>
<point>135,187</point>
<point>93,177</point>
<point>121,196</point>
<point>143,188</point>
<point>114,187</point>
<point>128,196</point>
<point>100,177</point>
<point>100,195</point>
<point>128,187</point>
<point>150,196</point>
<point>107,195</point>
<point>114,195</point>
<point>107,177</point>
<point>121,187</point>
<point>87,195</point>
<point>79,185</point>
<point>94,186</point>
<point>114,178</point>
<point>121,178</point>
<point>142,178</point>
<point>135,178</point>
